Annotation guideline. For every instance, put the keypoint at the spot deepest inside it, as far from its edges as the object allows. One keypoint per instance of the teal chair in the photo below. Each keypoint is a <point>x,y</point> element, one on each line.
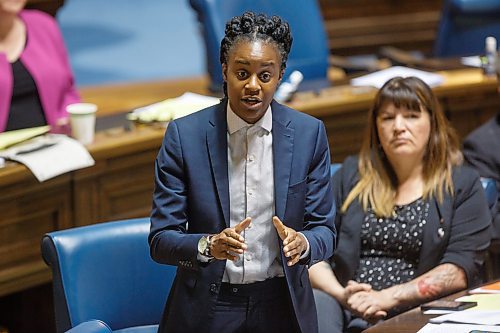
<point>104,272</point>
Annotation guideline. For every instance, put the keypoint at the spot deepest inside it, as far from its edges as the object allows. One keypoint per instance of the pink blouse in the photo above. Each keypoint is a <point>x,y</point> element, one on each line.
<point>46,59</point>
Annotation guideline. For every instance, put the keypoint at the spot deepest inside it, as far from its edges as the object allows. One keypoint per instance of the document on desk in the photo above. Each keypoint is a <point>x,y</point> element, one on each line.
<point>173,108</point>
<point>50,155</point>
<point>457,328</point>
<point>377,79</point>
<point>484,317</point>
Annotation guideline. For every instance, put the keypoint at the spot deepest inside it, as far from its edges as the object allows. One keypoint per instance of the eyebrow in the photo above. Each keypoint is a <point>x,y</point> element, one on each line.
<point>246,62</point>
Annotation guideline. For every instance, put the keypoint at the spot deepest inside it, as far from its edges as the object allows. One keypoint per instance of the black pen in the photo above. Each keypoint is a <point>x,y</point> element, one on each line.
<point>37,148</point>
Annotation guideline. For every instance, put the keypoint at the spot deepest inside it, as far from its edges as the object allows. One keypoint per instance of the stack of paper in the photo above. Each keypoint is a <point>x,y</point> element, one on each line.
<point>492,288</point>
<point>50,155</point>
<point>10,138</point>
<point>172,108</point>
<point>377,79</point>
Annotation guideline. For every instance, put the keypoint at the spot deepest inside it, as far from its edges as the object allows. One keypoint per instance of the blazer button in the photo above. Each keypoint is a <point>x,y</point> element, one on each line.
<point>213,288</point>
<point>441,232</point>
<point>441,221</point>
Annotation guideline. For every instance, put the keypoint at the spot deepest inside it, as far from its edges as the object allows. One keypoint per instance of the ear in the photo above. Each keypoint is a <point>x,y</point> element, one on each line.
<point>224,72</point>
<point>281,74</point>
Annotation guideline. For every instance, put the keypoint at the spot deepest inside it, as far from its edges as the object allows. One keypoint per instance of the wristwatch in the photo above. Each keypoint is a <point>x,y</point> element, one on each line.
<point>204,245</point>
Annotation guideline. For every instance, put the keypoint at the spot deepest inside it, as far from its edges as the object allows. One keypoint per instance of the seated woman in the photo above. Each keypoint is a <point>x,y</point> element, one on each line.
<point>36,82</point>
<point>412,222</point>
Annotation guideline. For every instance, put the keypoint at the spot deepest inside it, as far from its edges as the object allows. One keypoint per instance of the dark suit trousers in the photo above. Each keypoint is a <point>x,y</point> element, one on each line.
<point>252,308</point>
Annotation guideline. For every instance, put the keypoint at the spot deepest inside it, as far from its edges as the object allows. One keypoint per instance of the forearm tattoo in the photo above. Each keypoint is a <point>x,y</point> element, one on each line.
<point>442,280</point>
<point>436,283</point>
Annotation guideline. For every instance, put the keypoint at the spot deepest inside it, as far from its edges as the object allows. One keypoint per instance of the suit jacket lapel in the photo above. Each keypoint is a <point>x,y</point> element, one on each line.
<point>217,149</point>
<point>283,136</point>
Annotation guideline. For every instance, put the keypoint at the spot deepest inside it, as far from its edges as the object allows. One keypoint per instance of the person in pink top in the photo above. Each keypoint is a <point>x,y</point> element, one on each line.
<point>36,81</point>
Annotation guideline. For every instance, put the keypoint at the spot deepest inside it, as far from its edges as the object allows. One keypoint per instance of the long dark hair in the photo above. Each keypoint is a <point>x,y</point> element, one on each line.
<point>377,185</point>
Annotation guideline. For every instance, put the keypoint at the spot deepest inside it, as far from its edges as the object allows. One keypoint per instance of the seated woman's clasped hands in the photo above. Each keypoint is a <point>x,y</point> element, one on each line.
<point>412,221</point>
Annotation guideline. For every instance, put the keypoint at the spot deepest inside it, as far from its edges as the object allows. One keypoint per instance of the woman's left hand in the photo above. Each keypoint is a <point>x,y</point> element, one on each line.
<point>370,305</point>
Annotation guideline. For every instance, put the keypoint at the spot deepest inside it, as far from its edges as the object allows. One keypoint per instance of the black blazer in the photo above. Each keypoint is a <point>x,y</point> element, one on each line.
<point>464,218</point>
<point>481,152</point>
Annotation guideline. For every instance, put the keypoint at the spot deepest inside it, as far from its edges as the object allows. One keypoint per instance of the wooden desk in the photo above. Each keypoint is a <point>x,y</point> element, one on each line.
<point>120,185</point>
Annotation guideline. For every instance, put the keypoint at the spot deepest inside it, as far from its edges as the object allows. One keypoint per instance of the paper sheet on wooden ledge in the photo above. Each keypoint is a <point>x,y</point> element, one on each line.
<point>377,79</point>
<point>50,155</point>
<point>457,328</point>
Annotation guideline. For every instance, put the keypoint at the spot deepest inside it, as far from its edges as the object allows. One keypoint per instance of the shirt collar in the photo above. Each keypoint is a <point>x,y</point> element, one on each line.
<point>235,123</point>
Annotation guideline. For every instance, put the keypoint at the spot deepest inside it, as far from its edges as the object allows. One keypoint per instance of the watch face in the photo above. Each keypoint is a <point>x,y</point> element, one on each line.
<point>202,245</point>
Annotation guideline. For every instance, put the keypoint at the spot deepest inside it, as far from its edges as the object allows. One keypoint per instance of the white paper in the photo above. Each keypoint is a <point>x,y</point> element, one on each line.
<point>473,61</point>
<point>173,108</point>
<point>457,328</point>
<point>50,155</point>
<point>470,317</point>
<point>377,79</point>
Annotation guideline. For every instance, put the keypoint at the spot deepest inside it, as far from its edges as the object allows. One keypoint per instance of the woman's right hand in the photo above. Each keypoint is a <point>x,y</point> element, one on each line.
<point>229,243</point>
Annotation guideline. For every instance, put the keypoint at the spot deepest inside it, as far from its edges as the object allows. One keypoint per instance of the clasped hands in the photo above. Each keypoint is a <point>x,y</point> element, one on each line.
<point>229,243</point>
<point>366,303</point>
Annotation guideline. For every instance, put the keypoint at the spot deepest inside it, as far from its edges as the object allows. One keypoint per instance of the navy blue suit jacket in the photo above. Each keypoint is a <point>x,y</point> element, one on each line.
<point>191,199</point>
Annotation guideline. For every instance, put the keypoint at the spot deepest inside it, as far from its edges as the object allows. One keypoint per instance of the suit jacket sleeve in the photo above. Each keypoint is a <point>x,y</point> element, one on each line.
<point>470,225</point>
<point>169,241</point>
<point>320,208</point>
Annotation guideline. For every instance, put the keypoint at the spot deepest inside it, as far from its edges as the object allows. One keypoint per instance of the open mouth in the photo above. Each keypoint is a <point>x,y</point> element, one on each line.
<point>251,100</point>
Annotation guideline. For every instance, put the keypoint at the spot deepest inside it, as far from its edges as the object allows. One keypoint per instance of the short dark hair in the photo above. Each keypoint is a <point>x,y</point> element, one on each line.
<point>253,27</point>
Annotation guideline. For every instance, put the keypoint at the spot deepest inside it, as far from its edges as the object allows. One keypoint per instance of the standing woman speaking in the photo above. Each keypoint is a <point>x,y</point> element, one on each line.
<point>36,82</point>
<point>243,202</point>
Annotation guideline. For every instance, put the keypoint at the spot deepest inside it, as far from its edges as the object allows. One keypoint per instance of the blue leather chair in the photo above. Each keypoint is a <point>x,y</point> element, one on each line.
<point>91,326</point>
<point>309,52</point>
<point>104,272</point>
<point>490,189</point>
<point>334,167</point>
<point>464,25</point>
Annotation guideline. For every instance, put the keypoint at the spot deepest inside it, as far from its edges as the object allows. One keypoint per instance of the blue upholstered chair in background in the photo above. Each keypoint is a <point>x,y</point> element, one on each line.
<point>464,26</point>
<point>91,326</point>
<point>462,31</point>
<point>309,52</point>
<point>104,272</point>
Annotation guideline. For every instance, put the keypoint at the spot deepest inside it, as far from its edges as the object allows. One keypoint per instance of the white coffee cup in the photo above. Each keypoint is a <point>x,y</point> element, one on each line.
<point>82,121</point>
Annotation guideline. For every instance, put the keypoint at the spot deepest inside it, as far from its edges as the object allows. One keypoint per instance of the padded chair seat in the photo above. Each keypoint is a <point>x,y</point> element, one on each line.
<point>139,329</point>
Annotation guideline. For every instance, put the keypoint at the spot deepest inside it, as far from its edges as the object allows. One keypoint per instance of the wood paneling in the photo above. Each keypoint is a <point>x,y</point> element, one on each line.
<point>362,26</point>
<point>29,209</point>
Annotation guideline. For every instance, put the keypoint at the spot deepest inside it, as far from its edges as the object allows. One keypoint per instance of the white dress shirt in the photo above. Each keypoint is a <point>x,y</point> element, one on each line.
<point>251,194</point>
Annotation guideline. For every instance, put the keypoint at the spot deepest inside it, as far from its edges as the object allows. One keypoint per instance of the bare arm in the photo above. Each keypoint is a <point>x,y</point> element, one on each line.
<point>323,278</point>
<point>439,281</point>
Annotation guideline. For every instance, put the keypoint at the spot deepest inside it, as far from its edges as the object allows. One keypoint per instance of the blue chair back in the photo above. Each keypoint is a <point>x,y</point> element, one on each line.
<point>464,26</point>
<point>490,190</point>
<point>309,52</point>
<point>104,271</point>
<point>334,167</point>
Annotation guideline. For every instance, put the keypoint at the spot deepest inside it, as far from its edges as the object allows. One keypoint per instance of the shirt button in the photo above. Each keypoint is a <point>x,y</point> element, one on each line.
<point>251,158</point>
<point>213,287</point>
<point>250,192</point>
<point>248,257</point>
